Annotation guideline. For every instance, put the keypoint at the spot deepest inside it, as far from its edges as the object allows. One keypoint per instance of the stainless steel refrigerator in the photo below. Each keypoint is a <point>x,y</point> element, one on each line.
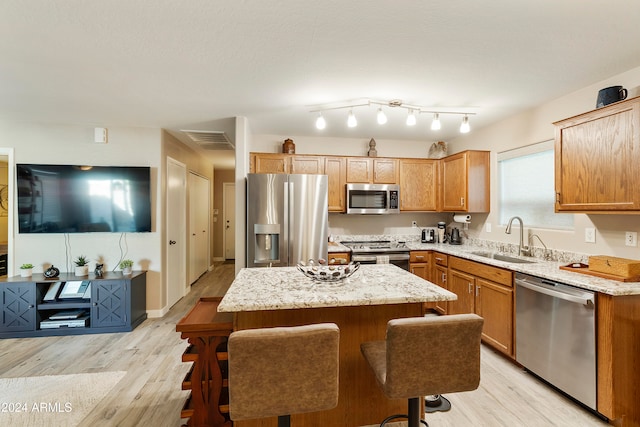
<point>287,219</point>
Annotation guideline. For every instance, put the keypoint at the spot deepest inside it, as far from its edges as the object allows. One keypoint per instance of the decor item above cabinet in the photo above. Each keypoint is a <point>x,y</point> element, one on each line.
<point>596,160</point>
<point>465,182</point>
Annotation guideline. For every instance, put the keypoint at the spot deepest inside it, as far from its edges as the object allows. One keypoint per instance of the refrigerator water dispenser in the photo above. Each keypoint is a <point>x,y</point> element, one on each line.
<point>267,243</point>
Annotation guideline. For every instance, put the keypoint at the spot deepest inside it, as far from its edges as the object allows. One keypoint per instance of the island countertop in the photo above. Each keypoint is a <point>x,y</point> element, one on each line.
<point>282,288</point>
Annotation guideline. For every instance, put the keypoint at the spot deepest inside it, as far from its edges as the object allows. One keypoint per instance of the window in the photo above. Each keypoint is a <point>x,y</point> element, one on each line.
<point>526,179</point>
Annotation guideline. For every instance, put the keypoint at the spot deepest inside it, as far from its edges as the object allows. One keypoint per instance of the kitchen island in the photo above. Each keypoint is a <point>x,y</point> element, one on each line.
<point>360,305</point>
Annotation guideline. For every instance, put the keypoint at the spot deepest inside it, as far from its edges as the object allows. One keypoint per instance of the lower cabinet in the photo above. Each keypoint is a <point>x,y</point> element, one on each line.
<point>439,276</point>
<point>18,307</point>
<point>339,258</point>
<point>419,262</point>
<point>72,305</point>
<point>488,292</point>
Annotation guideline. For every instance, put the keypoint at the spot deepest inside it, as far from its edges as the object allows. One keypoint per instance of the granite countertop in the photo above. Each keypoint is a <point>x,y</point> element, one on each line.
<point>337,247</point>
<point>540,268</point>
<point>283,288</point>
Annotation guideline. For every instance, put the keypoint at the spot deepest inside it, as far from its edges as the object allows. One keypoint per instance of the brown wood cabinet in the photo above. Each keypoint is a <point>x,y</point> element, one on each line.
<point>269,162</point>
<point>370,170</point>
<point>307,164</point>
<point>465,185</point>
<point>488,292</point>
<point>439,275</point>
<point>336,170</point>
<point>339,258</point>
<point>419,264</point>
<point>418,184</point>
<point>596,160</point>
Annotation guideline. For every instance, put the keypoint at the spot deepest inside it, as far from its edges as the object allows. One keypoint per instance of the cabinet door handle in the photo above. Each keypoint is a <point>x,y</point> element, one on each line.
<point>461,201</point>
<point>419,257</point>
<point>470,288</point>
<point>31,306</point>
<point>444,278</point>
<point>557,197</point>
<point>477,290</point>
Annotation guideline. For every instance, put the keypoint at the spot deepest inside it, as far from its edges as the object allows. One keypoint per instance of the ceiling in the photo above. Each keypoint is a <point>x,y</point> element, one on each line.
<point>196,64</point>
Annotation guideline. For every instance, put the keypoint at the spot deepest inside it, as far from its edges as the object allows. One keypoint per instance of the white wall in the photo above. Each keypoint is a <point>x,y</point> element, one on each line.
<point>66,144</point>
<point>534,126</point>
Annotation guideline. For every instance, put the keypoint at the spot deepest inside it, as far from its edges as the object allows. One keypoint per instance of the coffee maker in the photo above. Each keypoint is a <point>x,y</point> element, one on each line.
<point>442,233</point>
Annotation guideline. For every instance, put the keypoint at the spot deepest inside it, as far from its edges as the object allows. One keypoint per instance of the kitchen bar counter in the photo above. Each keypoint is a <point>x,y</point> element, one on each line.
<point>360,305</point>
<point>287,288</point>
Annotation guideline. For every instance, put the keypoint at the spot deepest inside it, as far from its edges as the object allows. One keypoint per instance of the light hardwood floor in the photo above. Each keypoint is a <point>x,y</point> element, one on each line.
<point>150,393</point>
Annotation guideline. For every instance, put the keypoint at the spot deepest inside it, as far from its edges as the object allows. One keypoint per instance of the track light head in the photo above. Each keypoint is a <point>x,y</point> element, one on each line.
<point>464,127</point>
<point>351,120</point>
<point>435,124</point>
<point>411,118</point>
<point>321,123</point>
<point>382,117</point>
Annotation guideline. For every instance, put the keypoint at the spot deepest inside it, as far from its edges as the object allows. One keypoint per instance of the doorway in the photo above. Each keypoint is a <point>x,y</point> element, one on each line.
<point>229,215</point>
<point>6,211</point>
<point>199,202</point>
<point>176,248</point>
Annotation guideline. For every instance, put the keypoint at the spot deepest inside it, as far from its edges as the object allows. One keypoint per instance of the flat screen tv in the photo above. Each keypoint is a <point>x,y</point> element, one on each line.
<point>81,199</point>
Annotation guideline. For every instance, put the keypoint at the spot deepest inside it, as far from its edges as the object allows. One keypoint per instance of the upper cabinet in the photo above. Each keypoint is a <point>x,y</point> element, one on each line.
<point>465,182</point>
<point>458,183</point>
<point>418,184</point>
<point>596,160</point>
<point>269,163</point>
<point>336,170</point>
<point>372,170</point>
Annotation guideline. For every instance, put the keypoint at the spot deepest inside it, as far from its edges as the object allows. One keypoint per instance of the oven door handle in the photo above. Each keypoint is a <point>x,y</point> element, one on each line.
<point>392,257</point>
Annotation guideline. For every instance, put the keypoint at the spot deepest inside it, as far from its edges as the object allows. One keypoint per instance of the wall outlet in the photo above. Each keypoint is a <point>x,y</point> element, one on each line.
<point>414,224</point>
<point>487,227</point>
<point>590,235</point>
<point>631,238</point>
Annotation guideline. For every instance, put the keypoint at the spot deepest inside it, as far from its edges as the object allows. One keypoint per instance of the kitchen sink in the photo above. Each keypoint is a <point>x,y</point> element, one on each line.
<point>500,257</point>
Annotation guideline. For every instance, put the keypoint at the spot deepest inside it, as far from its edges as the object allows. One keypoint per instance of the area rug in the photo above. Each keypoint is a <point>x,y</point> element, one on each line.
<point>53,400</point>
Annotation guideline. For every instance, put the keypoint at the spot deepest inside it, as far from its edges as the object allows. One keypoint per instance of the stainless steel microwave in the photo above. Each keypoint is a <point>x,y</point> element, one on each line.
<point>373,199</point>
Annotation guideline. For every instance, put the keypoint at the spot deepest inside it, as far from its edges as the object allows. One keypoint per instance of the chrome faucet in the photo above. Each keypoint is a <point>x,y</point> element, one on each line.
<point>522,250</point>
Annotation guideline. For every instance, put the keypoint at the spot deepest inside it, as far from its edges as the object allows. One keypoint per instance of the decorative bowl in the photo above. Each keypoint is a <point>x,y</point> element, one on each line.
<point>319,271</point>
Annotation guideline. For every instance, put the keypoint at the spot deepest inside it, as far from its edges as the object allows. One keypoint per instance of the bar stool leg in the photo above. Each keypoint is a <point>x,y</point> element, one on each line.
<point>284,421</point>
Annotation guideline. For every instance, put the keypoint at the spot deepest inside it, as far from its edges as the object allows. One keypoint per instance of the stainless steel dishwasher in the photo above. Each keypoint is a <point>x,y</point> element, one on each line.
<point>555,335</point>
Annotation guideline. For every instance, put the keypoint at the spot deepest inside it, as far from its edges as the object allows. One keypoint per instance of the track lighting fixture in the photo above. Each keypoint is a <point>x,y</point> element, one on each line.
<point>351,120</point>
<point>381,117</point>
<point>435,124</point>
<point>464,127</point>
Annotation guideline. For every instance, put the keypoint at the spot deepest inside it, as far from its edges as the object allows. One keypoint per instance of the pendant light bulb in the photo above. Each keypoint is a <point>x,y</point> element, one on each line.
<point>351,120</point>
<point>464,127</point>
<point>411,118</point>
<point>382,117</point>
<point>321,123</point>
<point>435,124</point>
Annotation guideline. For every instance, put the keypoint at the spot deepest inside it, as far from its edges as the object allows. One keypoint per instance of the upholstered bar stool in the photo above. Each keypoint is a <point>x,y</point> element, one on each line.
<point>283,371</point>
<point>426,356</point>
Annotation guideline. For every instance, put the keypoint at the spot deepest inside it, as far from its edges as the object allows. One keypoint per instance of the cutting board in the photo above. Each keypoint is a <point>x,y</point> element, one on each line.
<point>584,269</point>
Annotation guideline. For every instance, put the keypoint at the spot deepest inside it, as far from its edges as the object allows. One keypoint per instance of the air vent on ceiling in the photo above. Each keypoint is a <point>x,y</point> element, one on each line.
<point>210,139</point>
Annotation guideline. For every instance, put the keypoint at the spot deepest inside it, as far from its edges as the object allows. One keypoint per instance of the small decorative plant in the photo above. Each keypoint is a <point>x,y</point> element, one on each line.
<point>126,265</point>
<point>81,261</point>
<point>26,270</point>
<point>82,266</point>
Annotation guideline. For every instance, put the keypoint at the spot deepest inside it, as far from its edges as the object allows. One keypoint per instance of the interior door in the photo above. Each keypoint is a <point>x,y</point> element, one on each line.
<point>176,249</point>
<point>198,226</point>
<point>229,214</point>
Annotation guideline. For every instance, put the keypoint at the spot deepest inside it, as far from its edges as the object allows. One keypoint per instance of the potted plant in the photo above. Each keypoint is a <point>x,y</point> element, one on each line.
<point>126,266</point>
<point>26,270</point>
<point>82,266</point>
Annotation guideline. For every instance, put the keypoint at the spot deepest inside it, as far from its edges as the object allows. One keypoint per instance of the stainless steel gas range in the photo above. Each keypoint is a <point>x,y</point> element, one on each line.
<point>379,251</point>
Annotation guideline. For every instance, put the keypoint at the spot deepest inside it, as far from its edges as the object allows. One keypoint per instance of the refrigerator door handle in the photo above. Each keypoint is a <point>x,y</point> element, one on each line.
<point>287,216</point>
